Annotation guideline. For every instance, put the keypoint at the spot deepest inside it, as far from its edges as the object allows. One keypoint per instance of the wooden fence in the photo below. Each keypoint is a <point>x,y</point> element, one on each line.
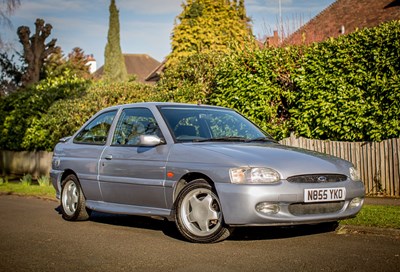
<point>378,162</point>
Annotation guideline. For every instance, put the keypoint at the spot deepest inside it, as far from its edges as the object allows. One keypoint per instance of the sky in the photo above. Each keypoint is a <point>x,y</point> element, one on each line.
<point>145,25</point>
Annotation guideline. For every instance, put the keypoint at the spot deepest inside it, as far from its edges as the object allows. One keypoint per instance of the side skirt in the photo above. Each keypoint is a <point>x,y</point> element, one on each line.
<point>115,208</point>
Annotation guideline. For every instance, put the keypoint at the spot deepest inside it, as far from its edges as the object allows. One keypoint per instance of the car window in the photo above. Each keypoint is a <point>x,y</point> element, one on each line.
<point>229,125</point>
<point>133,123</point>
<point>196,124</point>
<point>96,131</point>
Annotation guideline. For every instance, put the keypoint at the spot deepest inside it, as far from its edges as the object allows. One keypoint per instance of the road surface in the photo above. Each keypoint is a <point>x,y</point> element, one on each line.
<point>34,237</point>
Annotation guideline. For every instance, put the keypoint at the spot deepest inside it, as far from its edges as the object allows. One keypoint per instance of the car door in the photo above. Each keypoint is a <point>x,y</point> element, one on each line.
<point>83,155</point>
<point>129,173</point>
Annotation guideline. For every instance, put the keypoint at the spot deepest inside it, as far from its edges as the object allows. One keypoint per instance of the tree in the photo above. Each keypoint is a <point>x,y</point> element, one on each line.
<point>76,62</point>
<point>10,74</point>
<point>114,63</point>
<point>7,7</point>
<point>54,64</point>
<point>210,25</point>
<point>35,49</point>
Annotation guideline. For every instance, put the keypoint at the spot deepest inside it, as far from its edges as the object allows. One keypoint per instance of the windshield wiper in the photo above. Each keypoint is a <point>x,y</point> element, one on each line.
<point>235,139</point>
<point>222,139</point>
<point>261,139</point>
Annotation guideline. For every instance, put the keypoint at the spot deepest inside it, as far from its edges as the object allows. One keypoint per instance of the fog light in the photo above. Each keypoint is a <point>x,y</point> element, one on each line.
<point>356,202</point>
<point>267,208</point>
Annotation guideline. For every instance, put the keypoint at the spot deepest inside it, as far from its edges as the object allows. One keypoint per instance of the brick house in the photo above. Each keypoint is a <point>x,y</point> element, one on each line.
<point>343,17</point>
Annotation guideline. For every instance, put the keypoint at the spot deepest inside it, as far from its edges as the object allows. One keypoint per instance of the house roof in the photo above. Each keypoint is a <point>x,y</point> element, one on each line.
<point>343,17</point>
<point>139,64</point>
<point>155,75</point>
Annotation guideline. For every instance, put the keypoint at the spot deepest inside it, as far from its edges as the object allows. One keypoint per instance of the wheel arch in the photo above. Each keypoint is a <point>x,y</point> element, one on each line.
<point>187,178</point>
<point>72,198</point>
<point>195,231</point>
<point>66,173</point>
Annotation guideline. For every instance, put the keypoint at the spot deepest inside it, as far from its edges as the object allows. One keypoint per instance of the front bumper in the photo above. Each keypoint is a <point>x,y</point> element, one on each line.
<point>239,203</point>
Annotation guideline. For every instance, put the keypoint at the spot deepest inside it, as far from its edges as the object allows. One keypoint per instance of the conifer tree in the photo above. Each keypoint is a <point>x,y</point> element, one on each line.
<point>76,62</point>
<point>114,63</point>
<point>208,26</point>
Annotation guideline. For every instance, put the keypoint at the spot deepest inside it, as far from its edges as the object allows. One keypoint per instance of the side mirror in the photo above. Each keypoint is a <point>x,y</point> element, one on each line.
<point>65,139</point>
<point>150,140</point>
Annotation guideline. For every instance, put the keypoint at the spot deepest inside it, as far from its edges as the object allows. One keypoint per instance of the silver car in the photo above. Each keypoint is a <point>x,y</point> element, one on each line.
<point>207,168</point>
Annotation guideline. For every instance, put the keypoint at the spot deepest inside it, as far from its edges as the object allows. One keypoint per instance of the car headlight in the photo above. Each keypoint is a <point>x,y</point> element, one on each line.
<point>255,175</point>
<point>354,174</point>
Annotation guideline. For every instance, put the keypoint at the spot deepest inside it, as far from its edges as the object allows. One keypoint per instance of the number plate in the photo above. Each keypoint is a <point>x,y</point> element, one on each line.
<point>324,195</point>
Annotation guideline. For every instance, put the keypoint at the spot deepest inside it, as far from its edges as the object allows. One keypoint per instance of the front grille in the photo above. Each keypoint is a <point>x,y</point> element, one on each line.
<point>317,178</point>
<point>315,208</point>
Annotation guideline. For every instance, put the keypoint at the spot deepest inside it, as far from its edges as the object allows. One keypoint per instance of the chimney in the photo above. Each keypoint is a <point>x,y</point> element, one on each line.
<point>341,31</point>
<point>273,41</point>
<point>92,64</point>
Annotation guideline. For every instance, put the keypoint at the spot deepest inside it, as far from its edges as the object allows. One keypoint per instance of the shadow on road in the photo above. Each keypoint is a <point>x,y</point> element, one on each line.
<point>142,222</point>
<point>240,233</point>
<point>272,233</point>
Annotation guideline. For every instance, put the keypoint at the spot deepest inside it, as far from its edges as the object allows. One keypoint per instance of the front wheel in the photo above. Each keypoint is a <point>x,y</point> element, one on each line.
<point>73,204</point>
<point>198,214</point>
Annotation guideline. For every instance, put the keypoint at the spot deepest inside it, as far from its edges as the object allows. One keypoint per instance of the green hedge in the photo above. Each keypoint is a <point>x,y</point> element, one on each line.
<point>342,89</point>
<point>191,80</point>
<point>66,116</point>
<point>258,85</point>
<point>36,124</point>
<point>349,88</point>
<point>20,110</point>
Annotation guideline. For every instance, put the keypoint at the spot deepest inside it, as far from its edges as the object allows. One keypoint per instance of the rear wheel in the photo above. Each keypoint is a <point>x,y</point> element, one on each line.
<point>198,214</point>
<point>73,204</point>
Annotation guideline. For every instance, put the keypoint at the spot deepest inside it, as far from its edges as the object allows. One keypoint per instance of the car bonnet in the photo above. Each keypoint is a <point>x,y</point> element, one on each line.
<point>288,161</point>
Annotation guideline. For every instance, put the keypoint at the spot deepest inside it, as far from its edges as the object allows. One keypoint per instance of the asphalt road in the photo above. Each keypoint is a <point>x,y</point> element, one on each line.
<point>34,237</point>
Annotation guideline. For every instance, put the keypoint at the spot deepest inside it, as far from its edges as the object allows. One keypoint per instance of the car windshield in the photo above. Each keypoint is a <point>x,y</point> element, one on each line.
<point>201,124</point>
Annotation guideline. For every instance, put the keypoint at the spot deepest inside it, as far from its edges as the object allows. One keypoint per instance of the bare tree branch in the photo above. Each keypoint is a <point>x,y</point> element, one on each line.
<point>7,7</point>
<point>35,49</point>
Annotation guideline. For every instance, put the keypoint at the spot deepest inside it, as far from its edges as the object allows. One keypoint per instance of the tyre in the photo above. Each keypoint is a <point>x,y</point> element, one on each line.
<point>73,204</point>
<point>198,214</point>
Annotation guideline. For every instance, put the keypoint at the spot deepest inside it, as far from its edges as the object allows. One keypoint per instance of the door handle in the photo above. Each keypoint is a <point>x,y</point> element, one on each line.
<point>108,157</point>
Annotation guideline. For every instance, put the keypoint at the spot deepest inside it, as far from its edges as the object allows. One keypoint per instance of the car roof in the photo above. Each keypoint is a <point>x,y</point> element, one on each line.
<point>156,104</point>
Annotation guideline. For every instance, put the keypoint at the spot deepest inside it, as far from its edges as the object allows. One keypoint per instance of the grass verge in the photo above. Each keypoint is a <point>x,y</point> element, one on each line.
<point>381,216</point>
<point>28,190</point>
